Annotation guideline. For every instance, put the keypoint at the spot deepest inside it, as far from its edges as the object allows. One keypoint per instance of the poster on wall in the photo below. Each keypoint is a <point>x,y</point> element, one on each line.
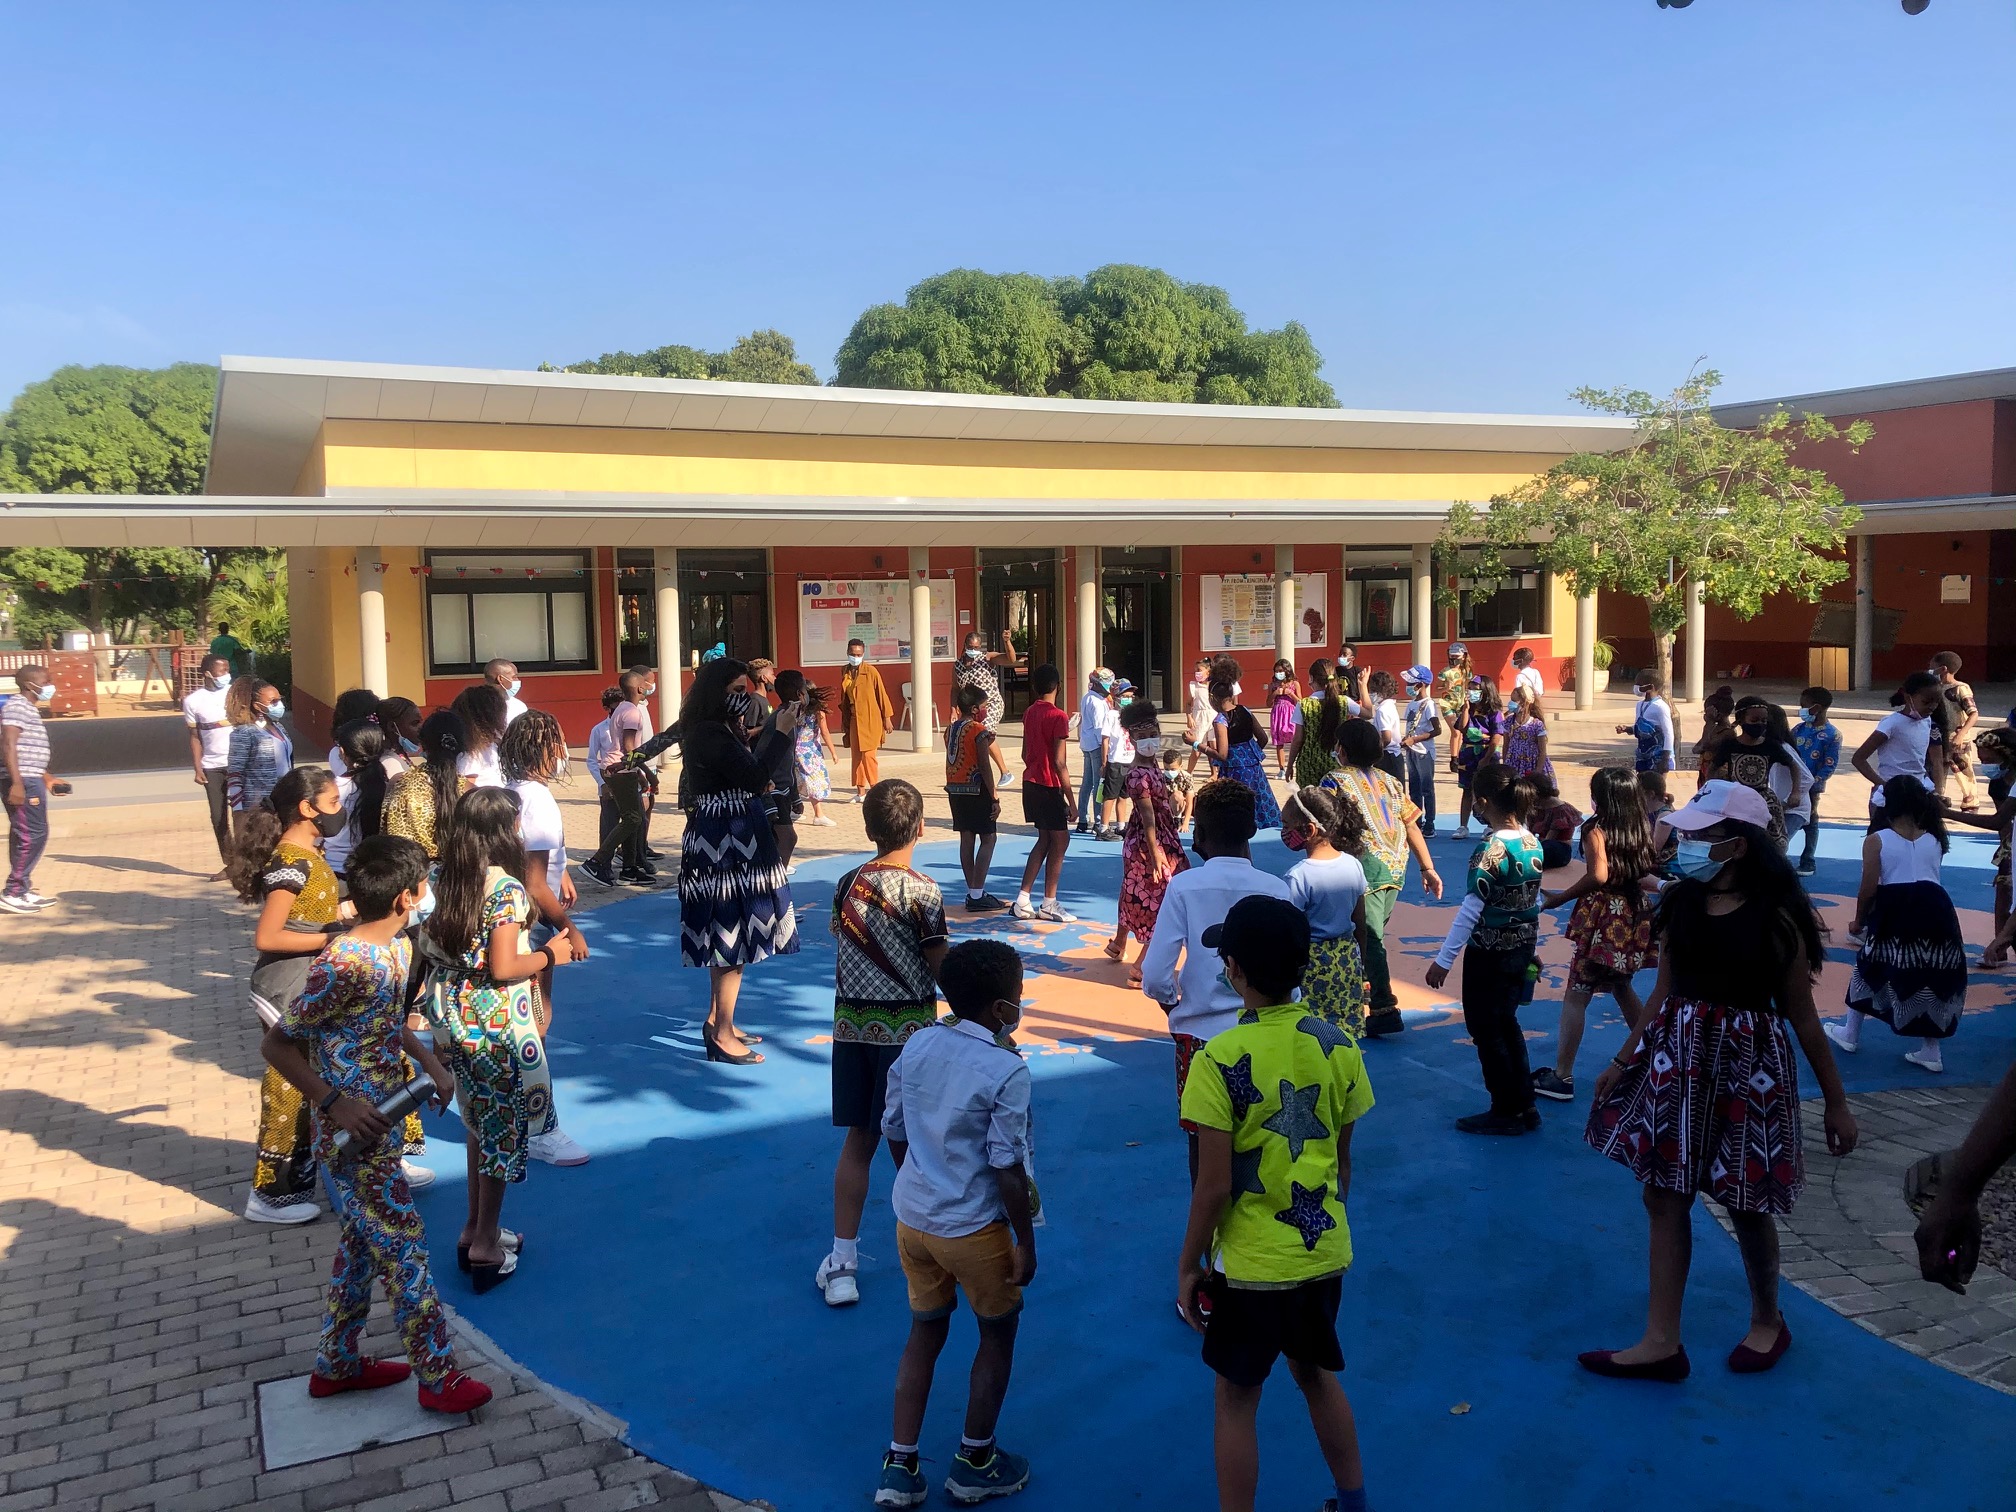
<point>875,611</point>
<point>1237,611</point>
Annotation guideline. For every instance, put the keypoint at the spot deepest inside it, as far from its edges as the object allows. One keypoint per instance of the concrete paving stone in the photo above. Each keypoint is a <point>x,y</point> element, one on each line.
<point>581,1457</point>
<point>1840,1284</point>
<point>407,1499</point>
<point>497,1478</point>
<point>546,1492</point>
<point>612,1499</point>
<point>534,1445</point>
<point>1856,1304</point>
<point>440,1466</point>
<point>1889,1324</point>
<point>350,1490</point>
<point>26,1501</point>
<point>1971,1358</point>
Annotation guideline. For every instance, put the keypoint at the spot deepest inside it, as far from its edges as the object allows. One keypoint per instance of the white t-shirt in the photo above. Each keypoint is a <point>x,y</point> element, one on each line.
<point>513,707</point>
<point>203,712</point>
<point>1328,892</point>
<point>1906,741</point>
<point>1421,716</point>
<point>484,770</point>
<point>1529,678</point>
<point>1094,713</point>
<point>338,767</point>
<point>600,741</point>
<point>541,828</point>
<point>1119,745</point>
<point>1901,860</point>
<point>1386,715</point>
<point>1780,780</point>
<point>396,764</point>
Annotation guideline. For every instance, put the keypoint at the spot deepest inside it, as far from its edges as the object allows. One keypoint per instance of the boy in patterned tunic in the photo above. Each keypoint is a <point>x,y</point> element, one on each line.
<point>343,1042</point>
<point>1274,1099</point>
<point>889,940</point>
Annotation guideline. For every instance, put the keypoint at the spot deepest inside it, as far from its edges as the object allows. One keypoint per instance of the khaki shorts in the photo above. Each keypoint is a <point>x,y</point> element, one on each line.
<point>982,1265</point>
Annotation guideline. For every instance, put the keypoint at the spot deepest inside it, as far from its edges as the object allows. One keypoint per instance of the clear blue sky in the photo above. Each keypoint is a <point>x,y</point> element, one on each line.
<point>1472,204</point>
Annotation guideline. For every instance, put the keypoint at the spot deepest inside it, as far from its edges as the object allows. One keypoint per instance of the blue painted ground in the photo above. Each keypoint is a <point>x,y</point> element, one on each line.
<point>669,1281</point>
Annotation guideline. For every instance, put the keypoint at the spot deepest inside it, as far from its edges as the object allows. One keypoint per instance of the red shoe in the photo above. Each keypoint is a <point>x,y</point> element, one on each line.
<point>1672,1370</point>
<point>375,1373</point>
<point>459,1393</point>
<point>1747,1361</point>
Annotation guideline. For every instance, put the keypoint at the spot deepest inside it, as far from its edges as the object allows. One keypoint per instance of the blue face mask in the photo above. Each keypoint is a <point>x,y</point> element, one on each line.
<point>1695,858</point>
<point>1990,772</point>
<point>410,747</point>
<point>422,910</point>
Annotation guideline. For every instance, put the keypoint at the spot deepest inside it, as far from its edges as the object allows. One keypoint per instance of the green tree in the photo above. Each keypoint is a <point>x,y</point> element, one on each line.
<point>121,592</point>
<point>251,596</point>
<point>1687,502</point>
<point>1120,332</point>
<point>759,357</point>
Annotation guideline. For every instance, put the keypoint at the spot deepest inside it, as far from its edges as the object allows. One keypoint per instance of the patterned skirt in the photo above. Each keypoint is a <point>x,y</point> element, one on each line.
<point>1246,766</point>
<point>488,1036</point>
<point>1612,936</point>
<point>1912,969</point>
<point>1141,887</point>
<point>734,903</point>
<point>1333,988</point>
<point>1710,1106</point>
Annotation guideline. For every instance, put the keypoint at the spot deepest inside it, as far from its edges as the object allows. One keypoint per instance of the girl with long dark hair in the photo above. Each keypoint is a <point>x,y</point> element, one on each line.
<point>734,903</point>
<point>813,750</point>
<point>361,785</point>
<point>1313,754</point>
<point>1704,1096</point>
<point>277,863</point>
<point>1480,734</point>
<point>1911,969</point>
<point>1284,699</point>
<point>1611,927</point>
<point>401,719</point>
<point>486,713</point>
<point>1234,746</point>
<point>420,802</point>
<point>482,1003</point>
<point>1329,886</point>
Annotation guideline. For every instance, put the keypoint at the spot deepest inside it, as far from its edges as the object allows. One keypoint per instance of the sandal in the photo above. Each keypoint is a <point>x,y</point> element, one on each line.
<point>510,1242</point>
<point>1115,951</point>
<point>489,1277</point>
<point>1134,978</point>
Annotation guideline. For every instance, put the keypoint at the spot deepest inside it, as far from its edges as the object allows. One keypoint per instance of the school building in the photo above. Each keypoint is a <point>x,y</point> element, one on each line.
<point>434,518</point>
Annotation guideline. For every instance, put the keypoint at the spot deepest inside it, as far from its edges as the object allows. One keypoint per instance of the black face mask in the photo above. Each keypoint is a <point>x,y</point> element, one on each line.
<point>331,825</point>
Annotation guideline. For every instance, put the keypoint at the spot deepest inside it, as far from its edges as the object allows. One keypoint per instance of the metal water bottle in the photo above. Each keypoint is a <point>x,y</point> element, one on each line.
<point>393,1110</point>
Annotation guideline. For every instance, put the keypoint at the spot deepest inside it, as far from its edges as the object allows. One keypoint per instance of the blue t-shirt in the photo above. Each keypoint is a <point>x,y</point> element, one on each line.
<point>1328,893</point>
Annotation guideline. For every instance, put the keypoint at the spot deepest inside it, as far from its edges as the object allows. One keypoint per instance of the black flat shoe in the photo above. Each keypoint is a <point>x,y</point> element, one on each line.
<point>512,1243</point>
<point>490,1277</point>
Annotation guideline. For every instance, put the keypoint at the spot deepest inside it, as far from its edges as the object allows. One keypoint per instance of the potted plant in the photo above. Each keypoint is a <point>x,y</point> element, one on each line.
<point>1603,653</point>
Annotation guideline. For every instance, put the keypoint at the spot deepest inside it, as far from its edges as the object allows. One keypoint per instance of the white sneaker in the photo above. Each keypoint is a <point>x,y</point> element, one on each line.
<point>824,821</point>
<point>1007,780</point>
<point>555,1147</point>
<point>16,903</point>
<point>418,1177</point>
<point>38,900</point>
<point>259,1210</point>
<point>1461,832</point>
<point>1052,914</point>
<point>1927,1060</point>
<point>1842,1042</point>
<point>1022,909</point>
<point>838,1284</point>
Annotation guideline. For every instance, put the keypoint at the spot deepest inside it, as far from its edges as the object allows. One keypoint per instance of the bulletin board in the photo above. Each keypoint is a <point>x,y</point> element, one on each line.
<point>1238,610</point>
<point>876,611</point>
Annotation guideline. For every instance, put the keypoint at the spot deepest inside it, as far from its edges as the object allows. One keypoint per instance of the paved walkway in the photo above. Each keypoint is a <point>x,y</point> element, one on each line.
<point>137,1312</point>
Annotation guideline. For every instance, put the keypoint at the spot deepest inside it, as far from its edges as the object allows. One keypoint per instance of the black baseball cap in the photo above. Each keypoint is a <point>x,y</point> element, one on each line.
<point>1268,937</point>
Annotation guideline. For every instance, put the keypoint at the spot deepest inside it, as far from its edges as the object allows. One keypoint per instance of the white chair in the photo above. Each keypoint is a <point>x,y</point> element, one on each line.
<point>903,719</point>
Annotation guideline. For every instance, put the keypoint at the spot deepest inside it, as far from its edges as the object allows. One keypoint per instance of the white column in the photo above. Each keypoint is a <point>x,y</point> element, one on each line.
<point>665,569</point>
<point>1862,660</point>
<point>1585,651</point>
<point>921,699</point>
<point>1284,604</point>
<point>1421,613</point>
<point>371,621</point>
<point>1088,624</point>
<point>1697,642</point>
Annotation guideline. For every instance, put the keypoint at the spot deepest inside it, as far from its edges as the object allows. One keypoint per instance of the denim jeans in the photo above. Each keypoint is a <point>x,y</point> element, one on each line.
<point>1421,784</point>
<point>27,834</point>
<point>1090,771</point>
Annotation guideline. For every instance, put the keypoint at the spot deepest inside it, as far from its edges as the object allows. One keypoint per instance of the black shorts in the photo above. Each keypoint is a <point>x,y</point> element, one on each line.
<point>1250,1329</point>
<point>1045,807</point>
<point>782,807</point>
<point>972,813</point>
<point>1113,786</point>
<point>861,1083</point>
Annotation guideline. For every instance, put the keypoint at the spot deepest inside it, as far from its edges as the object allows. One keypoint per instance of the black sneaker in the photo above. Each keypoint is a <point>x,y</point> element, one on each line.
<point>1806,868</point>
<point>600,871</point>
<point>1382,1021</point>
<point>643,869</point>
<point>985,903</point>
<point>1548,1085</point>
<point>1499,1123</point>
<point>637,878</point>
<point>1111,832</point>
<point>1083,829</point>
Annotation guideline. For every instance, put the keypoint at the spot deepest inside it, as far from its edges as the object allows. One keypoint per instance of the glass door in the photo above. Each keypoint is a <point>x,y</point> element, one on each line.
<point>1137,623</point>
<point>1018,594</point>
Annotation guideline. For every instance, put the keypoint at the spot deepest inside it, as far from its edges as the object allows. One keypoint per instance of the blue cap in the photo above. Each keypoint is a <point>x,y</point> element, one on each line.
<point>1417,674</point>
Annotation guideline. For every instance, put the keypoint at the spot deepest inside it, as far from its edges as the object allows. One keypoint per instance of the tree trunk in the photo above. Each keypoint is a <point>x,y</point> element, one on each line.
<point>1665,655</point>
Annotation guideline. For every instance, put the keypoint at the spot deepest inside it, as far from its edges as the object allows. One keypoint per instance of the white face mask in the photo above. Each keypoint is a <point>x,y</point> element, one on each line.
<point>853,661</point>
<point>1237,690</point>
<point>1150,746</point>
<point>273,710</point>
<point>976,653</point>
<point>512,691</point>
<point>221,681</point>
<point>423,907</point>
<point>44,693</point>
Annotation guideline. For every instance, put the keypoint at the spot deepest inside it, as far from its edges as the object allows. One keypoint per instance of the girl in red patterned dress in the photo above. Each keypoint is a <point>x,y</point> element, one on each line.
<point>1151,850</point>
<point>1704,1096</point>
<point>1611,927</point>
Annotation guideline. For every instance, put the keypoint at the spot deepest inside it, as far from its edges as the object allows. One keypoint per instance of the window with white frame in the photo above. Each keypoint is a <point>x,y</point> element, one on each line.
<point>1508,606</point>
<point>535,608</point>
<point>1378,594</point>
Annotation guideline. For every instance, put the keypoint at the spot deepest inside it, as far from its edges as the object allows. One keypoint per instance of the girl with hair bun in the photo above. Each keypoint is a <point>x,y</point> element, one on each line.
<point>1329,886</point>
<point>421,801</point>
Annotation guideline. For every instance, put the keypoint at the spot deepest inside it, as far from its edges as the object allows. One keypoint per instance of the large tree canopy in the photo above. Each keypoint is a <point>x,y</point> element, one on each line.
<point>759,357</point>
<point>110,430</point>
<point>1690,505</point>
<point>1120,332</point>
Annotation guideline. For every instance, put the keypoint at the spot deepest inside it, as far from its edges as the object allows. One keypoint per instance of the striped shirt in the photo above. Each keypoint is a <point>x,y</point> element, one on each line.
<point>31,750</point>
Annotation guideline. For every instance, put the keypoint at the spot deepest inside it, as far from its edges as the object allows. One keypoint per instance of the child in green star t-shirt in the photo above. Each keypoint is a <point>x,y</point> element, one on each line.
<point>1273,1099</point>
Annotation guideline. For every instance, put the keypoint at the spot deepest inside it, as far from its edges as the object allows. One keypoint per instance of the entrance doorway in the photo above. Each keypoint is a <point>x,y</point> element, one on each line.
<point>1137,625</point>
<point>1018,594</point>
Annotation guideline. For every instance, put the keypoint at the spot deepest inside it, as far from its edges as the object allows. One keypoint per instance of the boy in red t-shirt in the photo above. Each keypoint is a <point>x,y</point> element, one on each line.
<point>1046,795</point>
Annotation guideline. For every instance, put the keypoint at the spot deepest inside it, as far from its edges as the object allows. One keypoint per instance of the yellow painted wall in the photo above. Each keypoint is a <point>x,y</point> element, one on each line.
<point>405,630</point>
<point>312,624</point>
<point>395,454</point>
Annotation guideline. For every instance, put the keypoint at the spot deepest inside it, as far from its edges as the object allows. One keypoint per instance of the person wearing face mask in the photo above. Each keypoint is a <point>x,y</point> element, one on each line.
<point>1751,755</point>
<point>1905,743</point>
<point>24,768</point>
<point>1818,744</point>
<point>260,752</point>
<point>343,1046</point>
<point>278,865</point>
<point>980,668</point>
<point>1704,1095</point>
<point>866,715</point>
<point>1995,765</point>
<point>400,718</point>
<point>1097,717</point>
<point>503,676</point>
<point>1956,714</point>
<point>1479,736</point>
<point>1151,846</point>
<point>210,749</point>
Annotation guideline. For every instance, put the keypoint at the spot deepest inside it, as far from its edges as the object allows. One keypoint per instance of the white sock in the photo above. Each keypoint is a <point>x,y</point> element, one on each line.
<point>1851,1027</point>
<point>1929,1050</point>
<point>1022,898</point>
<point>846,1251</point>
